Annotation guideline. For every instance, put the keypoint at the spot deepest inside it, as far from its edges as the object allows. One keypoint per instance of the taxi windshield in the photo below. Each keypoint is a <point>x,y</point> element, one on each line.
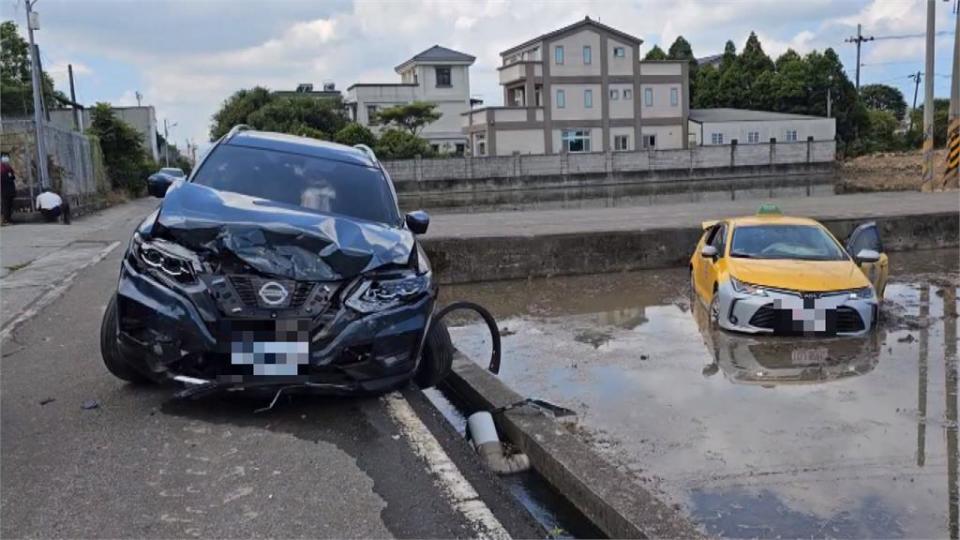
<point>801,242</point>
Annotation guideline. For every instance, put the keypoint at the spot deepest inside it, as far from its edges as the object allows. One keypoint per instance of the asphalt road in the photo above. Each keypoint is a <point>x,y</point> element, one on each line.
<point>142,465</point>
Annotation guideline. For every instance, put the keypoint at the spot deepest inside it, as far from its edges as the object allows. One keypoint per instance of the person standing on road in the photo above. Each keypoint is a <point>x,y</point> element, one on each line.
<point>52,206</point>
<point>8,188</point>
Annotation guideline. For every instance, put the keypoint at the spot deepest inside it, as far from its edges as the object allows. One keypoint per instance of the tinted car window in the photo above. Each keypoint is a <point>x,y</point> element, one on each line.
<point>323,185</point>
<point>805,242</point>
<point>719,238</point>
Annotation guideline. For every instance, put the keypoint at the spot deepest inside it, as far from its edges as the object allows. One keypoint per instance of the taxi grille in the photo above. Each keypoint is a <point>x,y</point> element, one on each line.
<point>848,320</point>
<point>765,317</point>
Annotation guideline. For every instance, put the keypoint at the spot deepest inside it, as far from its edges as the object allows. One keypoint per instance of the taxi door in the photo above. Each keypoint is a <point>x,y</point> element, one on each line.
<point>708,266</point>
<point>867,236</point>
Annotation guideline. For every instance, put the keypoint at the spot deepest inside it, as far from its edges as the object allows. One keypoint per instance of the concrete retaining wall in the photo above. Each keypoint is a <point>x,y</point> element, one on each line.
<point>462,260</point>
<point>566,180</point>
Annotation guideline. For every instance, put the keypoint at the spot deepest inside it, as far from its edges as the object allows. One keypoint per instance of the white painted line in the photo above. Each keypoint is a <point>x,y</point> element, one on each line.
<point>460,493</point>
<point>53,293</point>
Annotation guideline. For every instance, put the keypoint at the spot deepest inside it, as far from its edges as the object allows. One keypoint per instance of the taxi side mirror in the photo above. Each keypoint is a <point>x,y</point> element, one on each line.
<point>708,252</point>
<point>867,256</point>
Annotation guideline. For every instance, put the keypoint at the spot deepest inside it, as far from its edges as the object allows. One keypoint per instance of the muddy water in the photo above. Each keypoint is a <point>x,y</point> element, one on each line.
<point>752,437</point>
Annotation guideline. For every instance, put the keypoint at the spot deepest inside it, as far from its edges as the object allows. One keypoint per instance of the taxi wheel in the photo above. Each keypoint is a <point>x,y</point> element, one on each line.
<point>715,309</point>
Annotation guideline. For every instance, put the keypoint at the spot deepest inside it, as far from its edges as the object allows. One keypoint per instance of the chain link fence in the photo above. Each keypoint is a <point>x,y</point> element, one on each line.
<point>74,161</point>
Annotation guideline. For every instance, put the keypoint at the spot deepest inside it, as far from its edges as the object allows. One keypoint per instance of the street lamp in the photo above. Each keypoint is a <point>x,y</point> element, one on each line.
<point>166,141</point>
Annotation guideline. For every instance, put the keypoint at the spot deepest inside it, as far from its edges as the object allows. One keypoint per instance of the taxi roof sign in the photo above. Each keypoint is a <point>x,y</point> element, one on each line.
<point>769,209</point>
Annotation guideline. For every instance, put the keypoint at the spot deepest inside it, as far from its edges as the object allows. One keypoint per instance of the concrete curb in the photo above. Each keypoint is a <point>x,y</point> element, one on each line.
<point>521,256</point>
<point>607,497</point>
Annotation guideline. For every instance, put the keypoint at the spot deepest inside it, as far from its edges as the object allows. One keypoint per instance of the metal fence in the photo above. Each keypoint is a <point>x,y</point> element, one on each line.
<point>74,160</point>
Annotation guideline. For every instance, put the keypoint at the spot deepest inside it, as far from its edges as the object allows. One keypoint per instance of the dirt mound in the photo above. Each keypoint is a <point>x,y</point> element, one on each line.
<point>887,171</point>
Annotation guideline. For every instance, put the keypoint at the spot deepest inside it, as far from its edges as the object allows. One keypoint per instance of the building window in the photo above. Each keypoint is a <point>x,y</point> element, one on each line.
<point>621,142</point>
<point>371,114</point>
<point>753,137</point>
<point>443,77</point>
<point>481,145</point>
<point>716,138</point>
<point>791,135</point>
<point>588,99</point>
<point>674,97</point>
<point>576,140</point>
<point>619,52</point>
<point>587,55</point>
<point>649,141</point>
<point>627,93</point>
<point>614,94</point>
<point>558,54</point>
<point>460,149</point>
<point>648,97</point>
<point>561,99</point>
<point>435,148</point>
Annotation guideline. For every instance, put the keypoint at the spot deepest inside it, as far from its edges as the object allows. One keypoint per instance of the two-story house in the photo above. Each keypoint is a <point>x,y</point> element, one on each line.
<point>582,88</point>
<point>437,75</point>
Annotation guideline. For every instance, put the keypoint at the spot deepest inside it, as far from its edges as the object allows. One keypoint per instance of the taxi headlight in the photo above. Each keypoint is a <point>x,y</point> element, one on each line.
<point>865,293</point>
<point>747,288</point>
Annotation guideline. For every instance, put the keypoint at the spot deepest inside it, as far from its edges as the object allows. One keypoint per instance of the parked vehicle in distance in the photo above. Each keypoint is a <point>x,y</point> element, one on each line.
<point>774,274</point>
<point>282,261</point>
<point>164,177</point>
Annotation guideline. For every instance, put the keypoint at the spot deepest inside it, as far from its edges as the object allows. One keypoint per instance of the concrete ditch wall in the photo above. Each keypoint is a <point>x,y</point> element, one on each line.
<point>464,260</point>
<point>606,179</point>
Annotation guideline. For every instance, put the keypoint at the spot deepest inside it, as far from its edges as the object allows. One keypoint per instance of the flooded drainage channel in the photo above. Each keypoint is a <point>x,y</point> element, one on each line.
<point>557,516</point>
<point>749,436</point>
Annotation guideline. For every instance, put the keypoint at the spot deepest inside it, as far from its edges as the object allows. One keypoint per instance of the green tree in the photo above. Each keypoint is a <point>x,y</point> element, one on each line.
<point>941,109</point>
<point>124,156</point>
<point>681,50</point>
<point>302,116</point>
<point>354,133</point>
<point>16,87</point>
<point>237,109</point>
<point>400,144</point>
<point>656,53</point>
<point>880,135</point>
<point>882,97</point>
<point>412,117</point>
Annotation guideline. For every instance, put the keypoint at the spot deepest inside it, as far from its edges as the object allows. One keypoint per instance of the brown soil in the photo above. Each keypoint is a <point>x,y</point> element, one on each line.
<point>893,171</point>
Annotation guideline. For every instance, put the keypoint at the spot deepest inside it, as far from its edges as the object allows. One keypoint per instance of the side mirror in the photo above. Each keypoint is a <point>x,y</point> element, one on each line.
<point>708,252</point>
<point>868,256</point>
<point>418,221</point>
<point>157,185</point>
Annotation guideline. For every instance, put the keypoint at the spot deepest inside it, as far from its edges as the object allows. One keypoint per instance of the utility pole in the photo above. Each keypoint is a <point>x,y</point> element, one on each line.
<point>166,141</point>
<point>928,99</point>
<point>139,97</point>
<point>951,175</point>
<point>859,39</point>
<point>77,122</point>
<point>916,79</point>
<point>33,23</point>
<point>829,96</point>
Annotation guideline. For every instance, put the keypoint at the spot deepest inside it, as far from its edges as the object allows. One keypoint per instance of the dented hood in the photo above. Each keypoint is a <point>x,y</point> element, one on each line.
<point>279,239</point>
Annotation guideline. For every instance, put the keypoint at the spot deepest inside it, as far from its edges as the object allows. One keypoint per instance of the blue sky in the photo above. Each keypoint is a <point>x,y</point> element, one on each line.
<point>186,56</point>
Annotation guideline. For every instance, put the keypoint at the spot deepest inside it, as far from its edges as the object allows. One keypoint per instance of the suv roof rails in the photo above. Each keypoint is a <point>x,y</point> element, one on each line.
<point>368,151</point>
<point>237,129</point>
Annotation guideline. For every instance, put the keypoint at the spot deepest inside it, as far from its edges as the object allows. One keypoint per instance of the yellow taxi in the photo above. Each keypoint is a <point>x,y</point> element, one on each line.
<point>774,274</point>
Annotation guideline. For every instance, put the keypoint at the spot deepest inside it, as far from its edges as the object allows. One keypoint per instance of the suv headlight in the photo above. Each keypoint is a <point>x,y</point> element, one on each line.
<point>379,294</point>
<point>165,258</point>
<point>747,288</point>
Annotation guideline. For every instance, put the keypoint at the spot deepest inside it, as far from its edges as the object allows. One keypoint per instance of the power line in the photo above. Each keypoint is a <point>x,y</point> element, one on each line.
<point>912,36</point>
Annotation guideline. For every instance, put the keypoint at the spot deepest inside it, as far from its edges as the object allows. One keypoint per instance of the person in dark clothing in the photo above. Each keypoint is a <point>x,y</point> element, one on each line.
<point>8,188</point>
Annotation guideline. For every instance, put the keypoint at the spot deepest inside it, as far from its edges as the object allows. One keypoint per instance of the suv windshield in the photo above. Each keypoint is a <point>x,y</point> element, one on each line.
<point>323,185</point>
<point>805,242</point>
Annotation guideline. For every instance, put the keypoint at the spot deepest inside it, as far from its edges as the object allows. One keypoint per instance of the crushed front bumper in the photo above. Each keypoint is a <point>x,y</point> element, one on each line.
<point>166,332</point>
<point>787,313</point>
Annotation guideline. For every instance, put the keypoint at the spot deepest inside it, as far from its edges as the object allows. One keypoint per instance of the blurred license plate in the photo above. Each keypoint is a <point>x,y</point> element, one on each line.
<point>809,356</point>
<point>271,347</point>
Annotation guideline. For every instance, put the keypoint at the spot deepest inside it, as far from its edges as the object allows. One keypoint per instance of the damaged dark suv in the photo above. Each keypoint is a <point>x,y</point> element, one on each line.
<point>281,261</point>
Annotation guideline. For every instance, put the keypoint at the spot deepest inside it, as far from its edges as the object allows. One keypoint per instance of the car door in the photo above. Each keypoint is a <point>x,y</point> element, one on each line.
<point>697,261</point>
<point>709,267</point>
<point>867,236</point>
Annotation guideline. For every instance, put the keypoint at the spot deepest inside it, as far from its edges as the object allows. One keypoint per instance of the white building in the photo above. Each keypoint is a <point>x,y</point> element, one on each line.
<point>143,119</point>
<point>582,88</point>
<point>437,75</point>
<point>723,126</point>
